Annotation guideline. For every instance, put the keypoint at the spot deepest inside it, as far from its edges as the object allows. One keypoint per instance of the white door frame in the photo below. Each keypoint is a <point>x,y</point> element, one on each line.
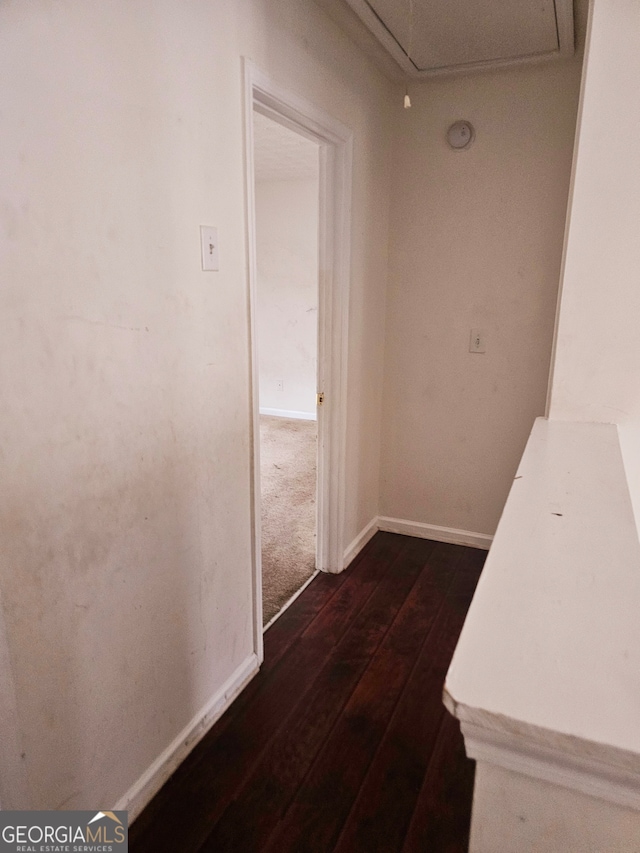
<point>334,251</point>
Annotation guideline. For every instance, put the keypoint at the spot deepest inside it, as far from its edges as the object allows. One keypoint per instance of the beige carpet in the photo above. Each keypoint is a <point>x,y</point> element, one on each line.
<point>288,480</point>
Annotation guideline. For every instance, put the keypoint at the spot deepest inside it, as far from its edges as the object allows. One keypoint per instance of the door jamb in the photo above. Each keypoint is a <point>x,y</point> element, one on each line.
<point>334,259</point>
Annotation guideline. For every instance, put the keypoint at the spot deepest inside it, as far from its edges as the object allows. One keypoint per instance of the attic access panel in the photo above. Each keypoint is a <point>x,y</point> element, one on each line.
<point>428,37</point>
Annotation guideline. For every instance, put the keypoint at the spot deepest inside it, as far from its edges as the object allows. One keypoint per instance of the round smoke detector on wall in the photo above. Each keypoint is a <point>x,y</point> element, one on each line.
<point>460,135</point>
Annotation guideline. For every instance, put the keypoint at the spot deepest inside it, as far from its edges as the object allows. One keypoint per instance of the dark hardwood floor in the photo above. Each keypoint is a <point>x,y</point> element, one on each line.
<point>341,742</point>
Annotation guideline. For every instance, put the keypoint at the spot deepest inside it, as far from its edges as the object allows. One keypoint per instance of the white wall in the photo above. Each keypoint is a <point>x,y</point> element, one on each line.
<point>287,266</point>
<point>597,360</point>
<point>596,375</point>
<point>476,242</point>
<point>125,432</point>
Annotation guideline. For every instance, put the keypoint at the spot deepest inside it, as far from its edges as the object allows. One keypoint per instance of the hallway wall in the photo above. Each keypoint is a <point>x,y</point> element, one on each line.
<point>476,243</point>
<point>125,432</point>
<point>597,357</point>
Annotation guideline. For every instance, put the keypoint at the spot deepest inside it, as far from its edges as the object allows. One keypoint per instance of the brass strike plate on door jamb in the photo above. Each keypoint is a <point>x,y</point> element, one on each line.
<point>319,398</point>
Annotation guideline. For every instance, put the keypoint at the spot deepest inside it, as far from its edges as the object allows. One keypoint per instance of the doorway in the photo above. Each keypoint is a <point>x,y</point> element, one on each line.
<point>286,193</point>
<point>334,143</point>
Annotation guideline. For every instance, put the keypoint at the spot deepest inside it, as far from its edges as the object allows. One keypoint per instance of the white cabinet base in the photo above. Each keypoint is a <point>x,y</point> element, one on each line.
<point>513,812</point>
<point>544,679</point>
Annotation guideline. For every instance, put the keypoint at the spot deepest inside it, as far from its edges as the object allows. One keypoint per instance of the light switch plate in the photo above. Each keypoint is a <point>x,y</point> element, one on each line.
<point>209,244</point>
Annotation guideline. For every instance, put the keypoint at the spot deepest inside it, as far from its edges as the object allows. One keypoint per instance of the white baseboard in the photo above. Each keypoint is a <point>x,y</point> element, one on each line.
<point>354,548</point>
<point>418,529</point>
<point>286,413</point>
<point>148,785</point>
<point>433,531</point>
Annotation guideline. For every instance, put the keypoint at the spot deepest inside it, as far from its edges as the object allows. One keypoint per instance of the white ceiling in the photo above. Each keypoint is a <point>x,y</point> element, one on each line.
<point>427,37</point>
<point>450,33</point>
<point>281,154</point>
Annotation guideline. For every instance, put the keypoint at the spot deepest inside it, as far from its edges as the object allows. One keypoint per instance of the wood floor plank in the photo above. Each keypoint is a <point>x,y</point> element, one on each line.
<point>194,799</point>
<point>287,629</point>
<point>442,816</point>
<point>250,819</point>
<point>385,803</point>
<point>362,725</point>
<point>284,632</point>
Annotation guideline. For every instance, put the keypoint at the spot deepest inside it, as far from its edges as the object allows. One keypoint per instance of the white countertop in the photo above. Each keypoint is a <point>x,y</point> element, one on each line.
<point>550,650</point>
